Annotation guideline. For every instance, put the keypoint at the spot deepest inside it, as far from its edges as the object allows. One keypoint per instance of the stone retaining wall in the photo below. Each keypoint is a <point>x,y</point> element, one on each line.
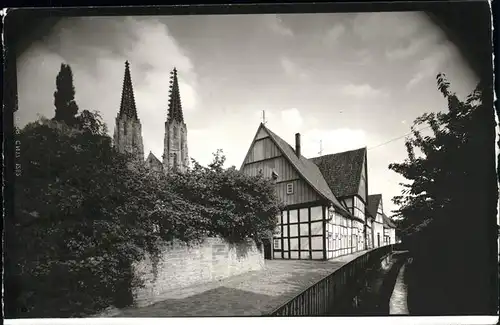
<point>181,266</point>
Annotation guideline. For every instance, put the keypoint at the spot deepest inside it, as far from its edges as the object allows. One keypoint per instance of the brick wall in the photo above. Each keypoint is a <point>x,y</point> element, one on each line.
<point>181,266</point>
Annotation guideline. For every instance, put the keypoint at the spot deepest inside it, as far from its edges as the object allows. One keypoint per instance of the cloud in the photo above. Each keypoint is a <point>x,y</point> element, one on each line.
<point>292,69</point>
<point>431,65</point>
<point>286,122</point>
<point>360,58</point>
<point>334,33</point>
<point>416,44</point>
<point>233,138</point>
<point>404,52</point>
<point>283,120</point>
<point>387,26</point>
<point>332,141</point>
<point>206,140</point>
<point>416,79</point>
<point>362,91</point>
<point>275,23</point>
<point>291,118</point>
<point>96,49</point>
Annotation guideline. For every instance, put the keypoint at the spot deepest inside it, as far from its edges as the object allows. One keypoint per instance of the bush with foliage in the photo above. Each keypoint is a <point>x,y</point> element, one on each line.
<point>80,220</point>
<point>446,205</point>
<point>233,205</point>
<point>84,216</point>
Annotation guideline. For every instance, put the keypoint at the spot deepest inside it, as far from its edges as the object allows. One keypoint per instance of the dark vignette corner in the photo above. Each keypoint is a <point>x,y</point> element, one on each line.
<point>474,42</point>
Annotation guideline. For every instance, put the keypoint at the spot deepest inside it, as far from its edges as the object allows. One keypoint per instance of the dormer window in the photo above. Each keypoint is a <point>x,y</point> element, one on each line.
<point>289,188</point>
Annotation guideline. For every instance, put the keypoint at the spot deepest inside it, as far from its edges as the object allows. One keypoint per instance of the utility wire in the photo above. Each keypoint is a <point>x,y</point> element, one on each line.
<point>398,138</point>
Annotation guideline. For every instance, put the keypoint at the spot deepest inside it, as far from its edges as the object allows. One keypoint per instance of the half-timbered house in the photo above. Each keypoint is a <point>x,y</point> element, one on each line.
<point>369,230</point>
<point>389,231</point>
<point>346,174</point>
<point>375,209</point>
<point>314,223</point>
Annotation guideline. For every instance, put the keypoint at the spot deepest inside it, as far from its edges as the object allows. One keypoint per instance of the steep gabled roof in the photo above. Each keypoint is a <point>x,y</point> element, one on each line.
<point>309,171</point>
<point>127,104</point>
<point>388,223</point>
<point>342,171</point>
<point>174,101</point>
<point>373,202</point>
<point>152,158</point>
<point>153,162</point>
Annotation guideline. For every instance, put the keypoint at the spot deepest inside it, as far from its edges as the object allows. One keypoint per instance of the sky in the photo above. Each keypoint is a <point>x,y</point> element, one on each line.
<point>349,80</point>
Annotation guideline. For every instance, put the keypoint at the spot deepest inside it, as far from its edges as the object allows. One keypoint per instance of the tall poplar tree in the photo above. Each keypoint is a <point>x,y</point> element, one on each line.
<point>64,96</point>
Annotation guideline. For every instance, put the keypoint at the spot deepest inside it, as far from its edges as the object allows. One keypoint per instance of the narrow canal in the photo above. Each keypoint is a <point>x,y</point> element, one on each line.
<point>383,290</point>
<point>398,303</point>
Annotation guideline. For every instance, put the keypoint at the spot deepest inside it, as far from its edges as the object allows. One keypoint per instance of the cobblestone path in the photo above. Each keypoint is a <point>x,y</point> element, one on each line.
<point>250,294</point>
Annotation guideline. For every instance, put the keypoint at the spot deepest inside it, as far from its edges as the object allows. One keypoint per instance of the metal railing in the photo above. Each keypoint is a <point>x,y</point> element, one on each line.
<point>334,290</point>
<point>400,247</point>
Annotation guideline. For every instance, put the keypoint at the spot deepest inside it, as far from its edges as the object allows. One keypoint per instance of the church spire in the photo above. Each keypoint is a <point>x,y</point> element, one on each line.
<point>127,106</point>
<point>127,137</point>
<point>174,102</point>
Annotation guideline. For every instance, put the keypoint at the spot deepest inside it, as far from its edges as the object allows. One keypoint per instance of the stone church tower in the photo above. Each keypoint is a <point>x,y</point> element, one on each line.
<point>127,137</point>
<point>175,152</point>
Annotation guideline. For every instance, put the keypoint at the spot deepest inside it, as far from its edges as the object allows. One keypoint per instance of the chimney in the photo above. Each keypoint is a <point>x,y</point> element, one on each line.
<point>297,144</point>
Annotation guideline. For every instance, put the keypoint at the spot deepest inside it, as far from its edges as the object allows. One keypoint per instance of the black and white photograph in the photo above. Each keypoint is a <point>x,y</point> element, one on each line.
<point>251,160</point>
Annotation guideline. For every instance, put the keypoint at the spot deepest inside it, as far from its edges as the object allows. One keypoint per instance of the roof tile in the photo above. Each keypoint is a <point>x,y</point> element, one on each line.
<point>388,223</point>
<point>373,202</point>
<point>342,171</point>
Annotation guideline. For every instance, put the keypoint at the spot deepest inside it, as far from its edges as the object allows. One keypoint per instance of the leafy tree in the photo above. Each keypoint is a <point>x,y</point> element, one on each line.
<point>64,96</point>
<point>91,122</point>
<point>445,204</point>
<point>84,216</point>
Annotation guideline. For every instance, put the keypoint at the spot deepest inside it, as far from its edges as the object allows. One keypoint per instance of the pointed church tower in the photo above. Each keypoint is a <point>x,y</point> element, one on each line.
<point>175,152</point>
<point>128,131</point>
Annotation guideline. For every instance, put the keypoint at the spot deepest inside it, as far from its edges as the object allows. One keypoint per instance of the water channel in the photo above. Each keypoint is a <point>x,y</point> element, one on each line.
<point>383,291</point>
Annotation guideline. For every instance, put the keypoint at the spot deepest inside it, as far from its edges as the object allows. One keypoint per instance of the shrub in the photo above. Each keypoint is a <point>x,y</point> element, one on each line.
<point>79,221</point>
<point>83,216</point>
<point>231,204</point>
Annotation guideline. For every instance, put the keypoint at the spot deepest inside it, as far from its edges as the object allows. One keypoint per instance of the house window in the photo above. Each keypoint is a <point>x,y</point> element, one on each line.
<point>276,243</point>
<point>289,188</point>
